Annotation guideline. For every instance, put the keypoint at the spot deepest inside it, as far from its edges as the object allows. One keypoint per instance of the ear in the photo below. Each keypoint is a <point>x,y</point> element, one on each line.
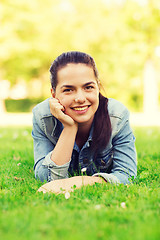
<point>53,92</point>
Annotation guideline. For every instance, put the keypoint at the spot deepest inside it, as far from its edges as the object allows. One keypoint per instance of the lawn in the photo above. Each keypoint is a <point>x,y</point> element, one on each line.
<point>105,211</point>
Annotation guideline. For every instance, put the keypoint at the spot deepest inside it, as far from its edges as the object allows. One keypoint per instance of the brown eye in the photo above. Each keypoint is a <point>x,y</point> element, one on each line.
<point>89,87</point>
<point>67,90</point>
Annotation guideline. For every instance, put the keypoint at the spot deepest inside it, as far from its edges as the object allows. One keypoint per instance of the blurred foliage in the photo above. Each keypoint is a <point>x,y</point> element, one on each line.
<point>21,105</point>
<point>120,35</point>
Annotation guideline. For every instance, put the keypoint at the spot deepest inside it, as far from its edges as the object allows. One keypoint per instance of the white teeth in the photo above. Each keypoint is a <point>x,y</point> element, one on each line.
<point>80,108</point>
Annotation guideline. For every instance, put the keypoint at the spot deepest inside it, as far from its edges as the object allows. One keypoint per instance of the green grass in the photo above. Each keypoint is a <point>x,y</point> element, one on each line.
<point>93,212</point>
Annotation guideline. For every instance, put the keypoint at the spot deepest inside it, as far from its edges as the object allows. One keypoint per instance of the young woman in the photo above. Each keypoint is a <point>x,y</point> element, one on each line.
<point>79,130</point>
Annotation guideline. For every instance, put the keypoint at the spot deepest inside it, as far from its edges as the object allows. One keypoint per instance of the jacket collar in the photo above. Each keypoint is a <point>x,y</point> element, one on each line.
<point>88,142</point>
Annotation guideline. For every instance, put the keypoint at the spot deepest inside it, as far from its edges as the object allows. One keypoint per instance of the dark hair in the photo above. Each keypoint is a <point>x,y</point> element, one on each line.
<point>102,124</point>
<point>70,57</point>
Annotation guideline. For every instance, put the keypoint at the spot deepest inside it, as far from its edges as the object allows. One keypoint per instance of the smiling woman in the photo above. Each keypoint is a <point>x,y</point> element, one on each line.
<point>77,91</point>
<point>78,128</point>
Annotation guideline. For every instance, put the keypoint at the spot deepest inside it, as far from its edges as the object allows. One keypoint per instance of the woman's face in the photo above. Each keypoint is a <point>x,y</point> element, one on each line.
<point>78,91</point>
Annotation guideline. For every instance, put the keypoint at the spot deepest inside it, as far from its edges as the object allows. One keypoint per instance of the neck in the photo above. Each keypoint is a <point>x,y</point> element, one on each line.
<point>82,134</point>
<point>84,128</point>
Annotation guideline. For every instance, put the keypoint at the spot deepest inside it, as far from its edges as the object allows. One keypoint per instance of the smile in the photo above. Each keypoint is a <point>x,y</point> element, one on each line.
<point>80,108</point>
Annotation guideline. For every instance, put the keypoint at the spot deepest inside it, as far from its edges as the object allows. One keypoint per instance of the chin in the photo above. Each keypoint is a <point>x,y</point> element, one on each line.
<point>83,121</point>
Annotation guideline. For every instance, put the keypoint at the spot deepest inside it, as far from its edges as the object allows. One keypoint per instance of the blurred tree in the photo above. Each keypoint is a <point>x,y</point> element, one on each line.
<point>120,35</point>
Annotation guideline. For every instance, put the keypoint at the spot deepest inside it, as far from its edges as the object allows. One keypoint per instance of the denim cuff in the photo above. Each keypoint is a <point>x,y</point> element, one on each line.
<point>107,177</point>
<point>57,172</point>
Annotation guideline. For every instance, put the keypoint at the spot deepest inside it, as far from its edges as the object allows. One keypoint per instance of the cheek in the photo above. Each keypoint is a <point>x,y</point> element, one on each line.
<point>96,102</point>
<point>95,99</point>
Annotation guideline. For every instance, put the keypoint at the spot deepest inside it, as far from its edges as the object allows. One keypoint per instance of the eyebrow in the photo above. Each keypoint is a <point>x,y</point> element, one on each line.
<point>67,86</point>
<point>88,83</point>
<point>71,86</point>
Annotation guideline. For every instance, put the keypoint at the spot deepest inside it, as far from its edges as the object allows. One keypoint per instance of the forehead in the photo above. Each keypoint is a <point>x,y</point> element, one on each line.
<point>74,73</point>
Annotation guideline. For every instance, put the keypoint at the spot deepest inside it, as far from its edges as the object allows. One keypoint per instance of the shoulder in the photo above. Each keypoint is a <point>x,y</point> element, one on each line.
<point>118,114</point>
<point>116,109</point>
<point>43,118</point>
<point>42,109</point>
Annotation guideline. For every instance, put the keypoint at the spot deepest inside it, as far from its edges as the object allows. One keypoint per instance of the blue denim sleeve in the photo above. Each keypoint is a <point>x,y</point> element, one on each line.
<point>45,168</point>
<point>42,145</point>
<point>124,152</point>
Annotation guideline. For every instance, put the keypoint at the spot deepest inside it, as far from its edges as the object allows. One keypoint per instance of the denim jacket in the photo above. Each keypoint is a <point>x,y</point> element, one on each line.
<point>116,163</point>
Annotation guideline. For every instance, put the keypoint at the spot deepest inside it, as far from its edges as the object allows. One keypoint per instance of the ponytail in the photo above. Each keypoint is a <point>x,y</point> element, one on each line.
<point>102,126</point>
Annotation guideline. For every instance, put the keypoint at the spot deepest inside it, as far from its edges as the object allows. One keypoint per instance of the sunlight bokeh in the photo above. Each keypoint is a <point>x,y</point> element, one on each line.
<point>122,36</point>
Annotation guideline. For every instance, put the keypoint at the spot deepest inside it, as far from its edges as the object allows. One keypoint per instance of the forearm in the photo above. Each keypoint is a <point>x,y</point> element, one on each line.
<point>63,150</point>
<point>69,184</point>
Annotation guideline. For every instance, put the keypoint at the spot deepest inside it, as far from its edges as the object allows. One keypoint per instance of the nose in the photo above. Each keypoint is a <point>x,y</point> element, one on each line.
<point>80,97</point>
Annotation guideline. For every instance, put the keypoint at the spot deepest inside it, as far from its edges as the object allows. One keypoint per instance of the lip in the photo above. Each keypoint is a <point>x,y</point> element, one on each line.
<point>79,106</point>
<point>80,109</point>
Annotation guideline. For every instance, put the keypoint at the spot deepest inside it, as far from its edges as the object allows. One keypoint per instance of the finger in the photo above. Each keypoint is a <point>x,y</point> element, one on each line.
<point>58,106</point>
<point>53,100</point>
<point>63,109</point>
<point>55,104</point>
